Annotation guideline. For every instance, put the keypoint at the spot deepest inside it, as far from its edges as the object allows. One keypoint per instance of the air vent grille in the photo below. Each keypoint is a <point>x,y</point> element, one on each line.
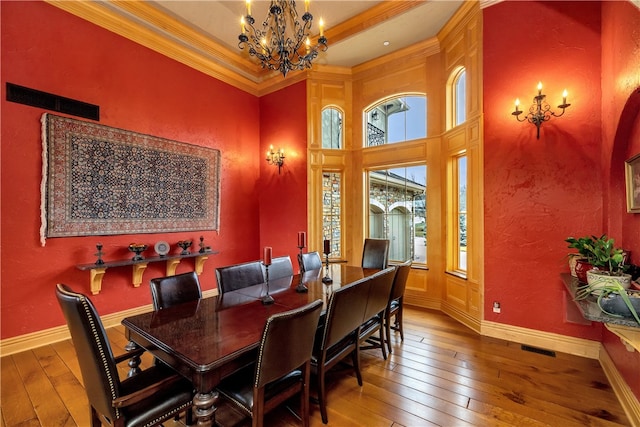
<point>49,101</point>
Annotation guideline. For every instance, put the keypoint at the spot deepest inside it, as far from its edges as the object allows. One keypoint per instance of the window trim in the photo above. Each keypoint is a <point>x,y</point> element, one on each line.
<point>453,216</point>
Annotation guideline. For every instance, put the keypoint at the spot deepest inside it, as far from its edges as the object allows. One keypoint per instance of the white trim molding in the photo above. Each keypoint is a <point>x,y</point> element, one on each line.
<point>545,340</point>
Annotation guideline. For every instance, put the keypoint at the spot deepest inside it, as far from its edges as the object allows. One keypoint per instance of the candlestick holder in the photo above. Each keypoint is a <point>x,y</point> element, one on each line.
<point>326,278</point>
<point>267,299</point>
<point>99,254</point>
<point>301,288</point>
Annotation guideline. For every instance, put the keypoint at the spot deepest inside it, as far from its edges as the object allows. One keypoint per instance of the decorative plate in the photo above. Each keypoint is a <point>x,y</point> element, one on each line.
<point>162,248</point>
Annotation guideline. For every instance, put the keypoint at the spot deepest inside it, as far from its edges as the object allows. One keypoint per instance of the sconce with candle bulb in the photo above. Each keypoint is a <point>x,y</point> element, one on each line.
<point>540,110</point>
<point>275,158</point>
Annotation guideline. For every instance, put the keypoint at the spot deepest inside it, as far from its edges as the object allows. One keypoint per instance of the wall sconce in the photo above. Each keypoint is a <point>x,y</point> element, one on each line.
<point>275,157</point>
<point>540,110</point>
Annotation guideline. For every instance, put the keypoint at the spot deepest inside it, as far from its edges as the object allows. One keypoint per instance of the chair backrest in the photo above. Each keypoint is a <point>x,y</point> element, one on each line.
<point>172,290</point>
<point>379,292</point>
<point>400,280</point>
<point>280,267</point>
<point>345,312</point>
<point>239,276</point>
<point>309,261</point>
<point>287,342</point>
<point>375,253</point>
<point>97,364</point>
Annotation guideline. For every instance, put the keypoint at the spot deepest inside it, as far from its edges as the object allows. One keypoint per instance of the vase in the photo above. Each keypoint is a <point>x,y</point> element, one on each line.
<point>614,304</point>
<point>581,268</point>
<point>573,259</point>
<point>599,279</point>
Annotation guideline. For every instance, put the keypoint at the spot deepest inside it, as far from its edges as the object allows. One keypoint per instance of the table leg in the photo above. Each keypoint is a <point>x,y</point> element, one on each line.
<point>205,408</point>
<point>134,362</point>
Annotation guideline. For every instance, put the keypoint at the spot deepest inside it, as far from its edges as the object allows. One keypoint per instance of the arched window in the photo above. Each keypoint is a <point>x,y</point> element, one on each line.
<point>457,98</point>
<point>331,128</point>
<point>397,119</point>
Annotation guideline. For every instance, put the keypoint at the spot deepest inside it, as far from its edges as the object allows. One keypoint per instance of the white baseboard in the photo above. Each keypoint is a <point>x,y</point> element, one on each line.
<point>545,340</point>
<point>627,399</point>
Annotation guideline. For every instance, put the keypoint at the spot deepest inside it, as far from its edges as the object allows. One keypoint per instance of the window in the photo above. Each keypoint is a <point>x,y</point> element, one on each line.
<point>331,128</point>
<point>457,98</point>
<point>331,211</point>
<point>396,120</point>
<point>397,211</point>
<point>460,203</point>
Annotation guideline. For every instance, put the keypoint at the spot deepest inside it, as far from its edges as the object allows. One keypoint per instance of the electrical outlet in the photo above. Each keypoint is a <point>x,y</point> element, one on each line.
<point>496,307</point>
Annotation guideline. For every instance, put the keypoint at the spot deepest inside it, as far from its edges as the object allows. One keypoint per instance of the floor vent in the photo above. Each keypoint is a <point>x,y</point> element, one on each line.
<point>538,350</point>
<point>49,101</point>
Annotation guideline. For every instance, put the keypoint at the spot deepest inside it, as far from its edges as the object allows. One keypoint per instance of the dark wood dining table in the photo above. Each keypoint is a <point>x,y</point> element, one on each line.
<point>208,339</point>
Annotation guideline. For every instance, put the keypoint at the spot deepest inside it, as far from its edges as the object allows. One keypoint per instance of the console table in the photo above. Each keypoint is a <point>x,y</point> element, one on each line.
<point>626,328</point>
<point>98,270</point>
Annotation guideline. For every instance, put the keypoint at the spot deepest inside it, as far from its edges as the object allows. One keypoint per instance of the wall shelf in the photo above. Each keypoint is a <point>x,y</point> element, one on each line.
<point>626,328</point>
<point>97,271</point>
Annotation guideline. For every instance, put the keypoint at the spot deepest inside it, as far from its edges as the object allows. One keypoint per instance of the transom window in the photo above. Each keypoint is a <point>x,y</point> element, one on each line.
<point>331,128</point>
<point>396,120</point>
<point>460,97</point>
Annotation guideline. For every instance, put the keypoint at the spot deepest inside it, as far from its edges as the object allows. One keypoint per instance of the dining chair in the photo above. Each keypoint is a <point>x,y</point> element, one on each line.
<point>148,398</point>
<point>171,290</point>
<point>339,336</point>
<point>375,253</point>
<point>395,305</point>
<point>282,369</point>
<point>239,276</point>
<point>309,261</point>
<point>280,267</point>
<point>377,302</point>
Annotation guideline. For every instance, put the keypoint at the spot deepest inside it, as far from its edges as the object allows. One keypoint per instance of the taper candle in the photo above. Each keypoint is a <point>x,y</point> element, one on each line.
<point>327,246</point>
<point>266,257</point>
<point>302,239</point>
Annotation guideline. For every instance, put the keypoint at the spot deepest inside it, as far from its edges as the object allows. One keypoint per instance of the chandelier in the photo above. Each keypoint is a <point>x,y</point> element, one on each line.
<point>283,43</point>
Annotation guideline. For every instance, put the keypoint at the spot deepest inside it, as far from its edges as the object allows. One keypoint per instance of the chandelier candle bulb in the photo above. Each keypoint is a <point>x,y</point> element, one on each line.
<point>306,6</point>
<point>266,256</point>
<point>564,97</point>
<point>242,25</point>
<point>248,7</point>
<point>321,25</point>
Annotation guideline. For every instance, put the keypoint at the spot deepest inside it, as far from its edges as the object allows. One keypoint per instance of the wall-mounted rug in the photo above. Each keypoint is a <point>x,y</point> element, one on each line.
<point>99,180</point>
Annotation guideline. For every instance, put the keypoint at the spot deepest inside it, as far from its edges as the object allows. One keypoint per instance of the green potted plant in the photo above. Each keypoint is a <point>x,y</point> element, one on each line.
<point>580,263</point>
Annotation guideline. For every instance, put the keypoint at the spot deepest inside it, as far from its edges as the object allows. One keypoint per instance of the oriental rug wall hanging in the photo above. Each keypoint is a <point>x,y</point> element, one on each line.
<point>98,180</point>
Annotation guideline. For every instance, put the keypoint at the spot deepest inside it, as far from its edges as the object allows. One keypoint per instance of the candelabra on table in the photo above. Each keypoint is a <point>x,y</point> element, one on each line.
<point>327,251</point>
<point>301,288</point>
<point>267,299</point>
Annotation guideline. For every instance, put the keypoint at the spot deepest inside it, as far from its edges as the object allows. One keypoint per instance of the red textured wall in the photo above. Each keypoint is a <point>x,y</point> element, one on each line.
<point>539,191</point>
<point>283,197</point>
<point>621,140</point>
<point>136,89</point>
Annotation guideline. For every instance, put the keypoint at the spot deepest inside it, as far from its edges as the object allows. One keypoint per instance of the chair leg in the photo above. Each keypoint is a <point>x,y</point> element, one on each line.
<point>304,396</point>
<point>382,344</point>
<point>399,321</point>
<point>387,327</point>
<point>321,395</point>
<point>94,417</point>
<point>188,417</point>
<point>356,362</point>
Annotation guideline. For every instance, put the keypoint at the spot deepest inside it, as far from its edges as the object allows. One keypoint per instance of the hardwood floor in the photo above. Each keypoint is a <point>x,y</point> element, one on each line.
<point>442,374</point>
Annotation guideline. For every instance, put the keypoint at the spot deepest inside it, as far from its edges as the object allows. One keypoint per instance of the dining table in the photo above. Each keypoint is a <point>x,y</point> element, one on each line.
<point>210,338</point>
